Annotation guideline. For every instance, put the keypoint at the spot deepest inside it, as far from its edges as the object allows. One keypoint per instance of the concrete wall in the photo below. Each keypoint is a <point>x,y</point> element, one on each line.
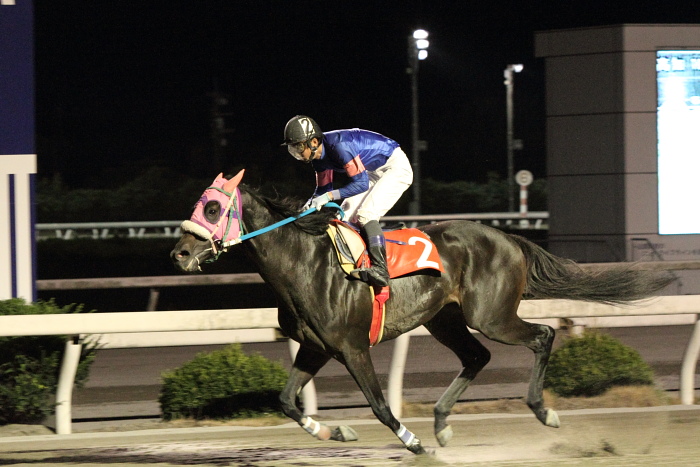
<point>601,102</point>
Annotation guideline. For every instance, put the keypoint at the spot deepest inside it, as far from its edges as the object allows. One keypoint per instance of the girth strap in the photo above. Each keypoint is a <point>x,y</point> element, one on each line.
<point>376,329</point>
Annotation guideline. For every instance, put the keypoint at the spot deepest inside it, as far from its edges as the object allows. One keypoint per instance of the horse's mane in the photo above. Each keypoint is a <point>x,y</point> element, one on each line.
<point>313,224</point>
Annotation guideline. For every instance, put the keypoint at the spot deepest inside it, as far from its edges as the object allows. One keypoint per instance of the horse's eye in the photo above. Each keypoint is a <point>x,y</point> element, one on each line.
<point>212,211</point>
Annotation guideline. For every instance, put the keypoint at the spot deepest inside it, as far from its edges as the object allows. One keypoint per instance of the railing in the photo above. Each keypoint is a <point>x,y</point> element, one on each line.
<point>157,282</point>
<point>171,229</point>
<point>136,329</point>
<point>102,230</point>
<point>153,282</point>
<point>113,330</point>
<point>166,328</point>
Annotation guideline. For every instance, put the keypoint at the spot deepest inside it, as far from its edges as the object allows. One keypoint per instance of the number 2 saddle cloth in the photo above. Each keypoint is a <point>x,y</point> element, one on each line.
<point>408,251</point>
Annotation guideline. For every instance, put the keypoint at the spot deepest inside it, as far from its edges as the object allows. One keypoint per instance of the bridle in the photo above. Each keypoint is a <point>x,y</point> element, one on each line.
<point>234,211</point>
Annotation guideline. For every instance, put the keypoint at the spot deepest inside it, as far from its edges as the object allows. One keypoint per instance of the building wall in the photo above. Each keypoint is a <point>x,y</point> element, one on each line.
<point>601,102</point>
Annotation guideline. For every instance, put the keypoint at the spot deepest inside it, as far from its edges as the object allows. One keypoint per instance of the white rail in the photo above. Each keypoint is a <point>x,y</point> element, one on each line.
<point>136,329</point>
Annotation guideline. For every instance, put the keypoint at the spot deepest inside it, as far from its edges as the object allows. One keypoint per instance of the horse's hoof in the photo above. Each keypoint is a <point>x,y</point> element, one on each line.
<point>416,447</point>
<point>552,419</point>
<point>444,436</point>
<point>344,433</point>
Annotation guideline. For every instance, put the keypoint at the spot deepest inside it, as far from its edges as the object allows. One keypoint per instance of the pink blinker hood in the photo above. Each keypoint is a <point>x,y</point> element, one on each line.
<point>228,226</point>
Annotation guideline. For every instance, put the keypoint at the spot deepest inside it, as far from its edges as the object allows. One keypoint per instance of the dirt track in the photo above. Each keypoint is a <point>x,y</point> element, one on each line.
<point>651,436</point>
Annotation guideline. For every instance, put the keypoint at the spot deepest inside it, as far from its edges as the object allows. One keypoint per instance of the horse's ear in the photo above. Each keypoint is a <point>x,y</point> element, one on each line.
<point>233,183</point>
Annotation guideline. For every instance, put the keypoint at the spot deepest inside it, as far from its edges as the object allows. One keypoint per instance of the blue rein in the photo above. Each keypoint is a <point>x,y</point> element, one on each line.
<point>255,233</point>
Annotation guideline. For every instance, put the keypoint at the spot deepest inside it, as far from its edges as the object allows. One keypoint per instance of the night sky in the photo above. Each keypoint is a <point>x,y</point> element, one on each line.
<point>121,85</point>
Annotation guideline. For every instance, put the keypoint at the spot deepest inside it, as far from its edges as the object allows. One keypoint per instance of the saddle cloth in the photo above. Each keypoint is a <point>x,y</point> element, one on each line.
<point>407,250</point>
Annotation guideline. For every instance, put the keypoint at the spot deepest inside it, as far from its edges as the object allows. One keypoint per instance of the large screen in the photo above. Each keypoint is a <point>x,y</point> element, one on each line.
<point>678,128</point>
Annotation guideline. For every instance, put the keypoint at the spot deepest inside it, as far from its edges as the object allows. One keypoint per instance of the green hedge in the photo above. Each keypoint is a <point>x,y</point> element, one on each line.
<point>222,384</point>
<point>153,193</point>
<point>593,363</point>
<point>29,366</point>
<point>140,195</point>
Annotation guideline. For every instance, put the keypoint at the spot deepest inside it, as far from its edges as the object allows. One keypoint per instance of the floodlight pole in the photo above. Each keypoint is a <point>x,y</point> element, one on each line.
<point>417,45</point>
<point>415,205</point>
<point>508,75</point>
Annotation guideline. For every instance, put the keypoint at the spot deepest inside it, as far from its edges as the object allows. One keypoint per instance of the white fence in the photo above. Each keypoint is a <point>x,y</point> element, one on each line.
<point>140,329</point>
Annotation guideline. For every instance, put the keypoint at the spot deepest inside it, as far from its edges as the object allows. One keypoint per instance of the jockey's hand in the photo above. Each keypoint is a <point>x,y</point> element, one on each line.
<point>307,205</point>
<point>320,201</point>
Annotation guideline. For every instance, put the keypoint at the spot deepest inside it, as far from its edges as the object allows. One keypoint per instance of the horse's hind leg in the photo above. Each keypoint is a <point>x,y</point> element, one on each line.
<point>450,329</point>
<point>359,364</point>
<point>542,347</point>
<point>306,365</point>
<point>539,339</point>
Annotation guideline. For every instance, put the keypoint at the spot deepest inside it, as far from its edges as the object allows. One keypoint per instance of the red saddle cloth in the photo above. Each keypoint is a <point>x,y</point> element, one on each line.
<point>408,251</point>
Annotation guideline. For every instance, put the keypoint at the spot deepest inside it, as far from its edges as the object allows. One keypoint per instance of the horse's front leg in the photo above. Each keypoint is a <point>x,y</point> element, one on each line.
<point>306,364</point>
<point>359,364</point>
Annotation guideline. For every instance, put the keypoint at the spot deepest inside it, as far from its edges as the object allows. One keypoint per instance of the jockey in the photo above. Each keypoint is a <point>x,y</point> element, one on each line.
<point>379,173</point>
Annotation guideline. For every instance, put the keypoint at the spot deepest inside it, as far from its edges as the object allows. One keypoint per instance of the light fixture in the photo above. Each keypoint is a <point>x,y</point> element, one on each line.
<point>420,34</point>
<point>417,50</point>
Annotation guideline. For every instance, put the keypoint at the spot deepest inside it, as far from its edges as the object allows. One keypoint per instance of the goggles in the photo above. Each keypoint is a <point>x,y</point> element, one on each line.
<point>296,150</point>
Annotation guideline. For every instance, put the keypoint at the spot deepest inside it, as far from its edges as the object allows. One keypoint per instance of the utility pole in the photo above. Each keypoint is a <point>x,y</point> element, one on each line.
<point>510,178</point>
<point>219,131</point>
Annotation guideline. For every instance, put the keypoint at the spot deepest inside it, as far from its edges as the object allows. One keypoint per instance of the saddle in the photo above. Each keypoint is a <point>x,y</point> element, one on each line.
<point>408,251</point>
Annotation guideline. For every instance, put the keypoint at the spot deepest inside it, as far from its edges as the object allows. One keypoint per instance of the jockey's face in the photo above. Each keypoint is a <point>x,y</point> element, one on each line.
<point>307,155</point>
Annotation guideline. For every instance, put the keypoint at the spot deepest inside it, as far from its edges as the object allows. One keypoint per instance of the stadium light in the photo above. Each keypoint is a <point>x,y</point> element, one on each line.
<point>417,50</point>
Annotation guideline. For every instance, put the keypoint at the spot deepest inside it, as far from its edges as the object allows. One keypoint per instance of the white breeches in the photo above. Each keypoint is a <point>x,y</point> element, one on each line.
<point>386,185</point>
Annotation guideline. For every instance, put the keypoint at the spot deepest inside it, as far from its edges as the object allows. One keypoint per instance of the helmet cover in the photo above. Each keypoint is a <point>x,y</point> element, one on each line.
<point>301,128</point>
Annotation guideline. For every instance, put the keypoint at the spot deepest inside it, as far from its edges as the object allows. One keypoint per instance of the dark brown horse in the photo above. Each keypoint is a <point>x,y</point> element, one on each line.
<point>487,272</point>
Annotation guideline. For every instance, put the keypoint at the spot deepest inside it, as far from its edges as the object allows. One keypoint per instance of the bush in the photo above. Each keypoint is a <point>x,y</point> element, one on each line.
<point>29,366</point>
<point>590,365</point>
<point>222,384</point>
<point>139,199</point>
<point>139,196</point>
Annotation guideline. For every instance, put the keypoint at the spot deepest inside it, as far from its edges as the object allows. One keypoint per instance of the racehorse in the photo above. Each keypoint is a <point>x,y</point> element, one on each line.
<point>487,273</point>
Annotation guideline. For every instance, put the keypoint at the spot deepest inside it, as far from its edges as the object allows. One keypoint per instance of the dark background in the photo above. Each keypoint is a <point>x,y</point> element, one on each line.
<point>123,85</point>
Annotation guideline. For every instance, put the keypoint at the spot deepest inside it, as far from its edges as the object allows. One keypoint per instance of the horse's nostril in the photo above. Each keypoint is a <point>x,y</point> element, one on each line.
<point>178,255</point>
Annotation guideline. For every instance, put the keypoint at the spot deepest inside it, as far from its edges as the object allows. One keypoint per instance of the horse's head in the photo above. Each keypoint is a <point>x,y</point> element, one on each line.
<point>215,220</point>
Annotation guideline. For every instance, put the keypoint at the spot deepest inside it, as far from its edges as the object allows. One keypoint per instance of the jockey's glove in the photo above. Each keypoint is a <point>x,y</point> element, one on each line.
<point>320,201</point>
<point>307,205</point>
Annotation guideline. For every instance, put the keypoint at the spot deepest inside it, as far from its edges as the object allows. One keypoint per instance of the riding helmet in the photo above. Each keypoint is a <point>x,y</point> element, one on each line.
<point>301,128</point>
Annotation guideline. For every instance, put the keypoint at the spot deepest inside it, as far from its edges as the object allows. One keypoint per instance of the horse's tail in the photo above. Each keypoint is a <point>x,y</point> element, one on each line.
<point>550,276</point>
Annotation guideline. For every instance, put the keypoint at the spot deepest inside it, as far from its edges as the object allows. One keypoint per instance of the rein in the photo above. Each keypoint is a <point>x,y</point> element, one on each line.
<point>288,220</point>
<point>223,246</point>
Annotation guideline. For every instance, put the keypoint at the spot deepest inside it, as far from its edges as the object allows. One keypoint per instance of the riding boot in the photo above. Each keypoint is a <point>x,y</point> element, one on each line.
<point>377,273</point>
